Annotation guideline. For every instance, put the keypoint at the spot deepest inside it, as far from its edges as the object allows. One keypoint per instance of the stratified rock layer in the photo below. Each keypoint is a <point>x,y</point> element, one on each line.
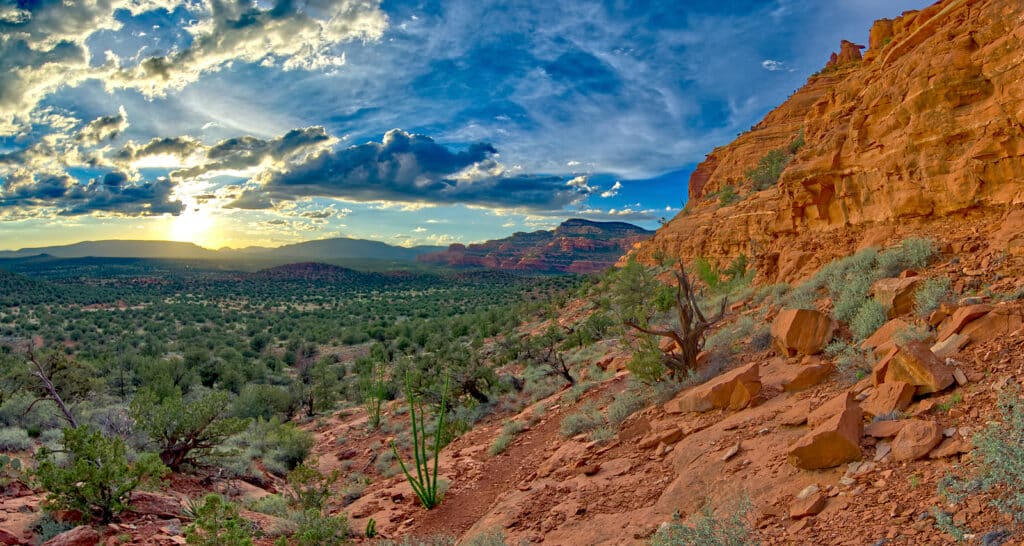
<point>930,123</point>
<point>576,246</point>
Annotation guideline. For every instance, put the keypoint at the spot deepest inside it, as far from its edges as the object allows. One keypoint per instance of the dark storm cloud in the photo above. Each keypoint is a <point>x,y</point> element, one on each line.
<point>408,167</point>
<point>111,193</point>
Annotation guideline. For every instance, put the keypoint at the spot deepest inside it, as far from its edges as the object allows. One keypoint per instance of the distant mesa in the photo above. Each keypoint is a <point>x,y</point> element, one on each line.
<point>576,246</point>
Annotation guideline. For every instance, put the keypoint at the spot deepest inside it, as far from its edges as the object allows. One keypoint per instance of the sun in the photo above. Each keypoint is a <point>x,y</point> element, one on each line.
<point>196,226</point>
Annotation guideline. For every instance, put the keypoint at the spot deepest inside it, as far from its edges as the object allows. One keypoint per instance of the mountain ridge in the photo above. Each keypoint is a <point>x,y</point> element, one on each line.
<point>575,246</point>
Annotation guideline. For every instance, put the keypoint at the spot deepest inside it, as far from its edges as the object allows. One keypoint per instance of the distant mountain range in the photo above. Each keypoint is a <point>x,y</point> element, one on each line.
<point>576,246</point>
<point>322,250</point>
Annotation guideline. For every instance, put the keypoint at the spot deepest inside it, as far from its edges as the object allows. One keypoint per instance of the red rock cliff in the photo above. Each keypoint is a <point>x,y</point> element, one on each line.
<point>928,126</point>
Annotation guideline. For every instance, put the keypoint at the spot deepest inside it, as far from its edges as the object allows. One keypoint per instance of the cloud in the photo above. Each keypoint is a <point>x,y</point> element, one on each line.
<point>112,193</point>
<point>240,153</point>
<point>773,65</point>
<point>612,191</point>
<point>409,168</point>
<point>46,45</point>
<point>179,147</point>
<point>103,128</point>
<point>291,35</point>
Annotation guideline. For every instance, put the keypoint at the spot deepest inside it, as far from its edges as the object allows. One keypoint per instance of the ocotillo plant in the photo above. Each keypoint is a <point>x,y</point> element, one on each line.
<point>424,484</point>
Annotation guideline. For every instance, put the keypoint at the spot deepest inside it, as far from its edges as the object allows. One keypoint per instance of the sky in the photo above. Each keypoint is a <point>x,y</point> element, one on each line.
<point>228,123</point>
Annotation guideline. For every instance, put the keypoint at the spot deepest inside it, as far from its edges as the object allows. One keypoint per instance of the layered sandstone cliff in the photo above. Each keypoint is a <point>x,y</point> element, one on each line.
<point>575,246</point>
<point>927,127</point>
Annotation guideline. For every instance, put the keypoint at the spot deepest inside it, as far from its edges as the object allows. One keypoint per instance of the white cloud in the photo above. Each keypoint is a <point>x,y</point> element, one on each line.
<point>613,191</point>
<point>772,65</point>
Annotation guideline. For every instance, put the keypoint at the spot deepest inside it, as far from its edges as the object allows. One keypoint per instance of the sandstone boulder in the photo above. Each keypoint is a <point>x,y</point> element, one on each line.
<point>883,335</point>
<point>831,443</point>
<point>802,331</point>
<point>888,397</point>
<point>951,345</point>
<point>884,429</point>
<point>83,535</point>
<point>916,439</point>
<point>896,294</point>
<point>148,503</point>
<point>999,323</point>
<point>834,406</point>
<point>915,363</point>
<point>961,317</point>
<point>806,377</point>
<point>950,447</point>
<point>809,506</point>
<point>733,390</point>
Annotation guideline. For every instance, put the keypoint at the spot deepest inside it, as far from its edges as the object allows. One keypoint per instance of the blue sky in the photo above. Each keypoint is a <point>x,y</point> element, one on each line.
<point>239,123</point>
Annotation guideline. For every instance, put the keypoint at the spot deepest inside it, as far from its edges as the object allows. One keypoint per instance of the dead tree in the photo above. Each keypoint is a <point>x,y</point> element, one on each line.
<point>543,351</point>
<point>47,390</point>
<point>688,340</point>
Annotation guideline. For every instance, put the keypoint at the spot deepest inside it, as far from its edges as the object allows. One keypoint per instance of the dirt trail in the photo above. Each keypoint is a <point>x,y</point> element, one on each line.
<point>465,503</point>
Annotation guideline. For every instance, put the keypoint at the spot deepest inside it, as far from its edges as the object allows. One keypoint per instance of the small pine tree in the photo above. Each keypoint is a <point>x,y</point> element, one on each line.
<point>97,478</point>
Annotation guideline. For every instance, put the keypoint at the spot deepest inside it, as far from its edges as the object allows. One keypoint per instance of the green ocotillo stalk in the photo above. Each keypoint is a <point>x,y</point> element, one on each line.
<point>424,484</point>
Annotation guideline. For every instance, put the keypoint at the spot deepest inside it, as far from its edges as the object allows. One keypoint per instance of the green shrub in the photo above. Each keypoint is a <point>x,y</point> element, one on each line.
<point>96,479</point>
<point>508,433</point>
<point>768,169</point>
<point>217,523</point>
<point>625,404</point>
<point>585,420</point>
<point>848,280</point>
<point>14,439</point>
<point>911,333</point>
<point>491,537</point>
<point>310,488</point>
<point>797,143</point>
<point>931,294</point>
<point>728,337</point>
<point>869,318</point>
<point>262,401</point>
<point>274,505</point>
<point>46,527</point>
<point>912,253</point>
<point>852,361</point>
<point>727,195</point>
<point>183,429</point>
<point>998,458</point>
<point>314,528</point>
<point>11,470</point>
<point>709,528</point>
<point>602,434</point>
<point>291,445</point>
<point>647,362</point>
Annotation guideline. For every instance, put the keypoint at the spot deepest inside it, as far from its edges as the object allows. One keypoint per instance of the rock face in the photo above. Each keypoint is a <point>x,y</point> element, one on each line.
<point>733,390</point>
<point>802,331</point>
<point>576,246</point>
<point>929,124</point>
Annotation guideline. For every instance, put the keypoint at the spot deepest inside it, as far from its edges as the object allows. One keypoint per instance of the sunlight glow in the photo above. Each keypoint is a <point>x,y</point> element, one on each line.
<point>196,226</point>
